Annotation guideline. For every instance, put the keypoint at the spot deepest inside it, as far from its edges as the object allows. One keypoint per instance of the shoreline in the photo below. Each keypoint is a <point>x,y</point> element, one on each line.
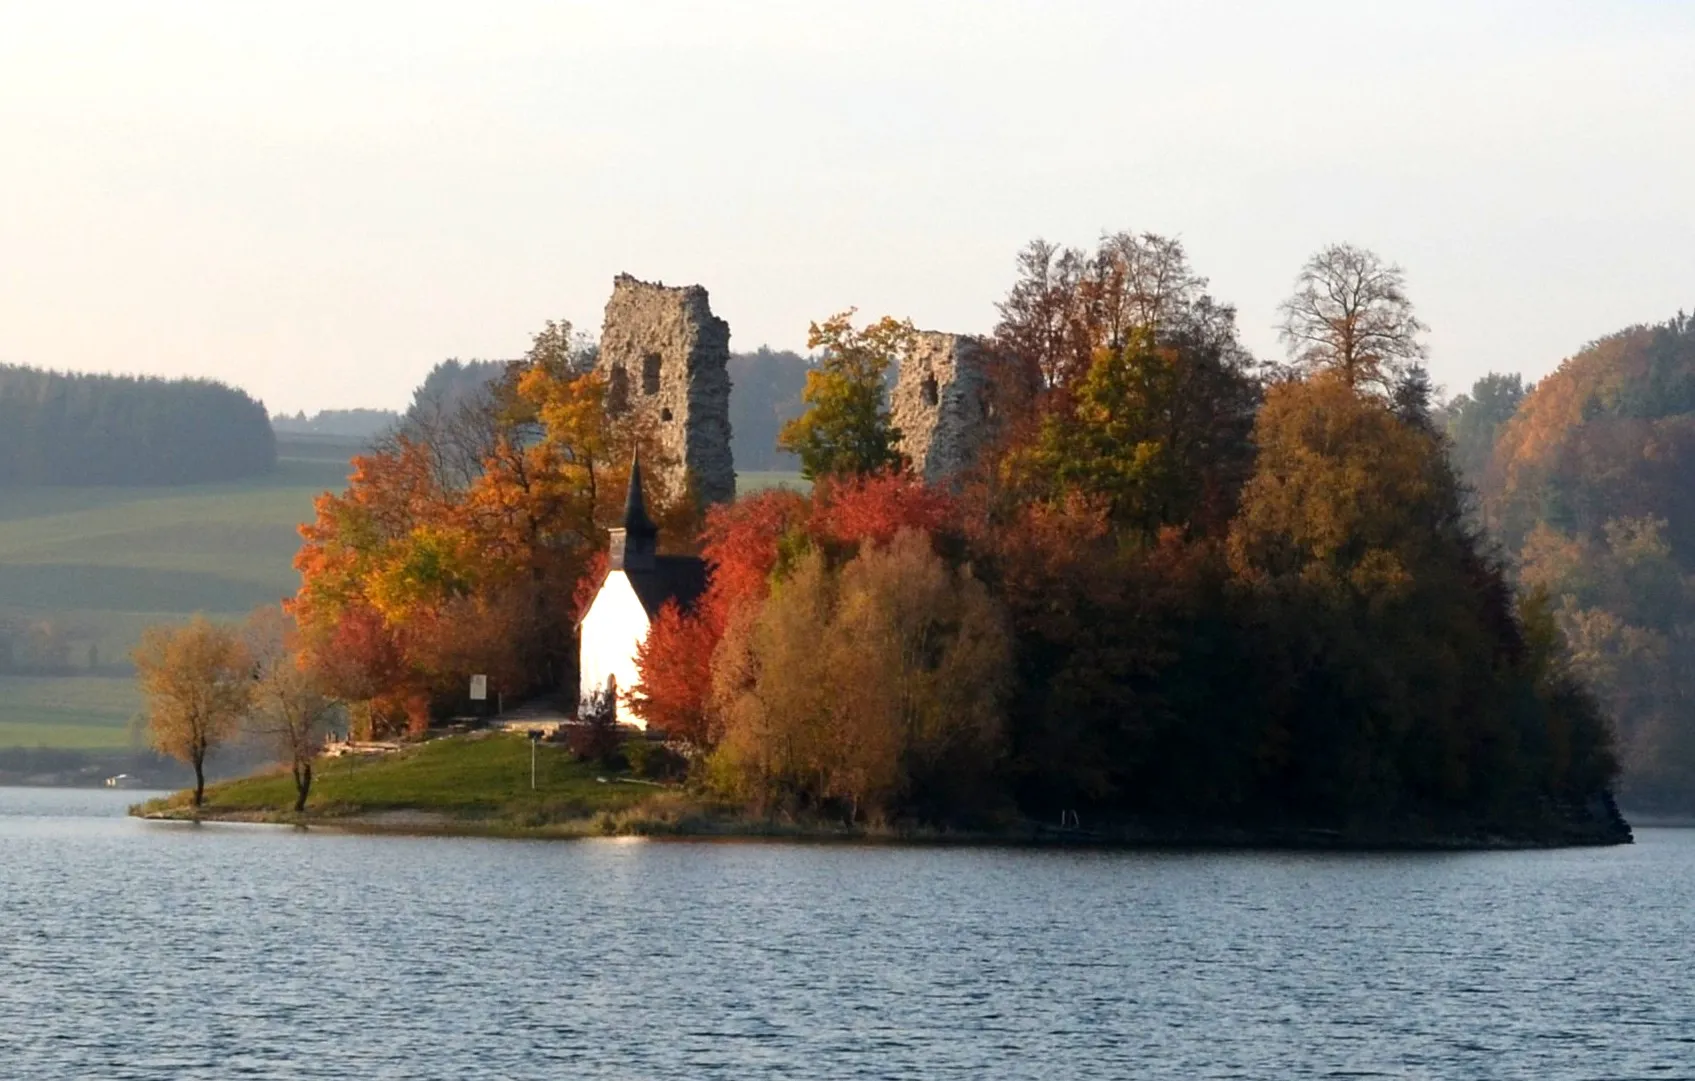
<point>494,785</point>
<point>414,822</point>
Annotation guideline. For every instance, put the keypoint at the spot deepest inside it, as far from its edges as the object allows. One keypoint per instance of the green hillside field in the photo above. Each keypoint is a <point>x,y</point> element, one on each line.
<point>753,482</point>
<point>110,561</point>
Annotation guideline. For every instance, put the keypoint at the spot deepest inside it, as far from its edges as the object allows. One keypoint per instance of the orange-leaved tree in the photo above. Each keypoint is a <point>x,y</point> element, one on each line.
<point>424,572</point>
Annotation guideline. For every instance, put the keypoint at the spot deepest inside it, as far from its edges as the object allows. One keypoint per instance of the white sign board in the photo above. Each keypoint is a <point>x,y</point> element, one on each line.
<point>479,688</point>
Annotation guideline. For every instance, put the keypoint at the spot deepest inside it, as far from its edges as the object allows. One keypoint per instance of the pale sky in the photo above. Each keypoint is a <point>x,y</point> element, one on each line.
<point>318,201</point>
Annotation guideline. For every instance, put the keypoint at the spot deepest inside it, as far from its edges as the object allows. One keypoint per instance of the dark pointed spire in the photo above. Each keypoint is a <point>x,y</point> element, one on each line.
<point>636,541</point>
<point>636,521</point>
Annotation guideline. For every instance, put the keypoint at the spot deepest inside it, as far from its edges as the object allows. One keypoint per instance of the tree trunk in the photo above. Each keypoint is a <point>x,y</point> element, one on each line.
<point>302,786</point>
<point>199,779</point>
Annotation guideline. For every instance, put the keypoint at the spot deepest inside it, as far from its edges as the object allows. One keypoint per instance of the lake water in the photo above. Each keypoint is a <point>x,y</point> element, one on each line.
<point>153,950</point>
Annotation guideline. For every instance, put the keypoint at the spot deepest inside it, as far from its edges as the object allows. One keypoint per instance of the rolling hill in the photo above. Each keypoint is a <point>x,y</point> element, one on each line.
<point>99,564</point>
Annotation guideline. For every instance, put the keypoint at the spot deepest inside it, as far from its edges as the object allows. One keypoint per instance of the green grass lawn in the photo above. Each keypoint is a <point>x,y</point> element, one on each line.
<point>484,776</point>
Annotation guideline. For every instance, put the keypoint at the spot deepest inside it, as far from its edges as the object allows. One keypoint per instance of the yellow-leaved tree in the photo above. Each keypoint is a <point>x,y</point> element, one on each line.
<point>198,683</point>
<point>291,709</point>
<point>871,689</point>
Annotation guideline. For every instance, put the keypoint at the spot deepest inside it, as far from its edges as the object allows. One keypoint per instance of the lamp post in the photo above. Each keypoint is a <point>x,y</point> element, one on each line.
<point>535,738</point>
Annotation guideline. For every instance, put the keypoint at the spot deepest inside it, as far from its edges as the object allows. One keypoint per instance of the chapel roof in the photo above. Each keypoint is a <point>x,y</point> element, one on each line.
<point>655,578</point>
<point>678,578</point>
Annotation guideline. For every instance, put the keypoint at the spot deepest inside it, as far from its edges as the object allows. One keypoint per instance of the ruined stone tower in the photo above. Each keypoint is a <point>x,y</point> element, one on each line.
<point>663,353</point>
<point>943,404</point>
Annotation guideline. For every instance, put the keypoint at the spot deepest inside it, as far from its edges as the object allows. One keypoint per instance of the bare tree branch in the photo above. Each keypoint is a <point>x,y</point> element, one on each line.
<point>1350,314</point>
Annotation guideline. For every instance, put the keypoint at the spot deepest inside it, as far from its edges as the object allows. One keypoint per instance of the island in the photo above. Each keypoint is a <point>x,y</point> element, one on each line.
<point>1109,580</point>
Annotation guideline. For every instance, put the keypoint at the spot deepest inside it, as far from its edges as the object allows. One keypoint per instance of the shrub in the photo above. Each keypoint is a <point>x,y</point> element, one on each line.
<point>652,759</point>
<point>595,735</point>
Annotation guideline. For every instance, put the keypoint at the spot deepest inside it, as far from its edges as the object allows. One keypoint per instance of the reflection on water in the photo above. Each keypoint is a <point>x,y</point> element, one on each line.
<point>150,950</point>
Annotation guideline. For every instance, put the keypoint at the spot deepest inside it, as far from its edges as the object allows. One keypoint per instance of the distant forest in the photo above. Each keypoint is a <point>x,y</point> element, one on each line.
<point>344,423</point>
<point>1586,481</point>
<point>451,384</point>
<point>765,391</point>
<point>73,429</point>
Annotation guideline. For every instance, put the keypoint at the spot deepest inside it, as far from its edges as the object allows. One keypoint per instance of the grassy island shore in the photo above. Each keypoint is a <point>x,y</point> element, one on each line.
<point>479,785</point>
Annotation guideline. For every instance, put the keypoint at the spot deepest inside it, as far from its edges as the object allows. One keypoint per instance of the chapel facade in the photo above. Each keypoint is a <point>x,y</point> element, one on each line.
<point>638,583</point>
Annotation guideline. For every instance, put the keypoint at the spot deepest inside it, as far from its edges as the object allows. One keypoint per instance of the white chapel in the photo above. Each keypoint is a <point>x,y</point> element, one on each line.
<point>638,582</point>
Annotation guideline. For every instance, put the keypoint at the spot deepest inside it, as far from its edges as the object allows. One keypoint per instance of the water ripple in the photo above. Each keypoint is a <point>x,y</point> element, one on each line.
<point>142,951</point>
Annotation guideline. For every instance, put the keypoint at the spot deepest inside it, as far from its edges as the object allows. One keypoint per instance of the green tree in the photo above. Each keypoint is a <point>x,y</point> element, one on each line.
<point>1157,432</point>
<point>846,430</point>
<point>1474,420</point>
<point>59,428</point>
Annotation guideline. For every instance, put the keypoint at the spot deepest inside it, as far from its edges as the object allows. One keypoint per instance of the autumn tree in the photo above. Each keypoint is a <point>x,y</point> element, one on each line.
<point>1146,394</point>
<point>561,350</point>
<point>1069,592</point>
<point>871,509</point>
<point>1146,286</point>
<point>846,428</point>
<point>1587,485</point>
<point>1395,665</point>
<point>1157,432</point>
<point>1350,314</point>
<point>921,658</point>
<point>290,711</point>
<point>865,688</point>
<point>674,667</point>
<point>1216,599</point>
<point>1609,435</point>
<point>1067,304</point>
<point>197,683</point>
<point>1347,536</point>
<point>743,542</point>
<point>746,545</point>
<point>1576,749</point>
<point>372,558</point>
<point>460,552</point>
<point>1622,606</point>
<point>1043,324</point>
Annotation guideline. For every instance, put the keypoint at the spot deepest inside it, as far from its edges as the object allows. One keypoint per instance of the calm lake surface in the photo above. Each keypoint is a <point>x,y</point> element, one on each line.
<point>152,950</point>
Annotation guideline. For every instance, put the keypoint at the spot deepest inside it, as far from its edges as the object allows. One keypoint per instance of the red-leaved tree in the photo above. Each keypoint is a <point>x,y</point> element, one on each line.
<point>742,543</point>
<point>871,509</point>
<point>675,663</point>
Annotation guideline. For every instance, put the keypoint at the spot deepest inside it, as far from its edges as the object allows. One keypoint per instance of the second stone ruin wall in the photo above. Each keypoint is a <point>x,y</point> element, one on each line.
<point>941,404</point>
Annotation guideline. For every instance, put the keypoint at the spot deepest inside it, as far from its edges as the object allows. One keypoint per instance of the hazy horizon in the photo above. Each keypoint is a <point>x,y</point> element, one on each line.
<point>319,203</point>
